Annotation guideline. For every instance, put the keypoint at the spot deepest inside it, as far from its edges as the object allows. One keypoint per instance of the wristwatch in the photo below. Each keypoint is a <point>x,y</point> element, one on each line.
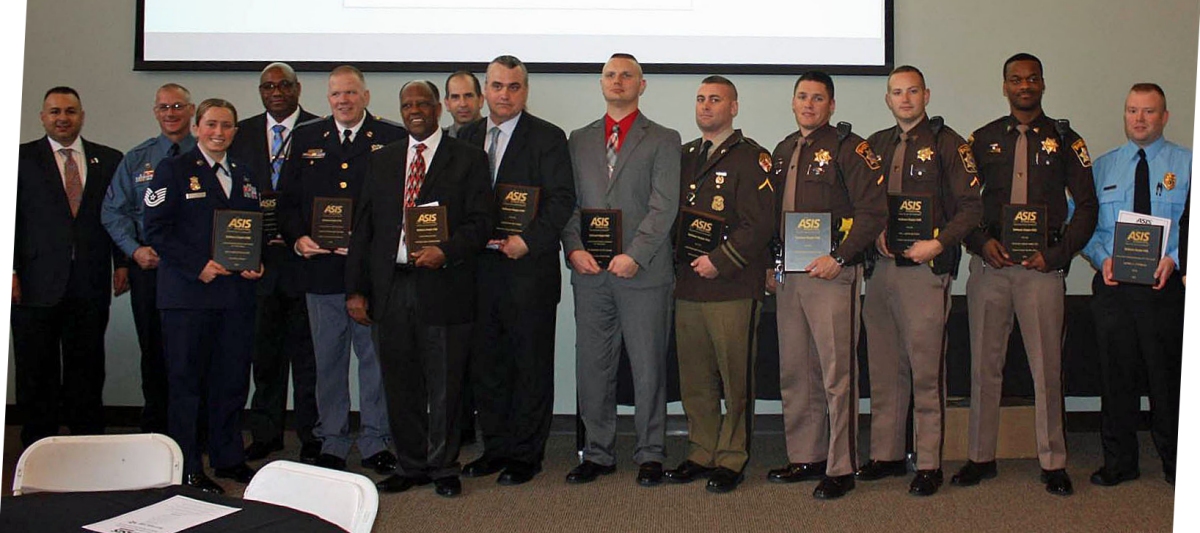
<point>837,258</point>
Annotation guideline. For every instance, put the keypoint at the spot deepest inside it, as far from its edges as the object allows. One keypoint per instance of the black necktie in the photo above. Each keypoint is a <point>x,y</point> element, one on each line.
<point>174,151</point>
<point>1141,185</point>
<point>346,139</point>
<point>704,152</point>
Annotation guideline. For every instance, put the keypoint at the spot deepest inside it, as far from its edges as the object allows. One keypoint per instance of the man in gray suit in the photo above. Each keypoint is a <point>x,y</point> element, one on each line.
<point>623,162</point>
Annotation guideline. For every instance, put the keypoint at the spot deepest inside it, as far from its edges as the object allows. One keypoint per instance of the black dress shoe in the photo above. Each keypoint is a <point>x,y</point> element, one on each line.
<point>447,487</point>
<point>239,473</point>
<point>588,471</point>
<point>518,473</point>
<point>1107,478</point>
<point>833,487</point>
<point>650,474</point>
<point>202,482</point>
<point>972,473</point>
<point>330,461</point>
<point>483,466</point>
<point>382,462</point>
<point>926,483</point>
<point>310,451</point>
<point>687,472</point>
<point>723,480</point>
<point>874,470</point>
<point>1058,482</point>
<point>260,450</point>
<point>399,483</point>
<point>794,472</point>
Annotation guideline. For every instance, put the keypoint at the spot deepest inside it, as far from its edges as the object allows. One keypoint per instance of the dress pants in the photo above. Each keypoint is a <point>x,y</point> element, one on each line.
<point>1138,328</point>
<point>143,291</point>
<point>604,317</point>
<point>716,343</point>
<point>818,374</point>
<point>210,348</point>
<point>333,332</point>
<point>282,340</point>
<point>905,313</point>
<point>423,375</point>
<point>58,353</point>
<point>994,296</point>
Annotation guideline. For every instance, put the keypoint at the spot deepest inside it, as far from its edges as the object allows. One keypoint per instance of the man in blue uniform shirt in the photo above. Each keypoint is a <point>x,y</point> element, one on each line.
<point>1139,325</point>
<point>122,213</point>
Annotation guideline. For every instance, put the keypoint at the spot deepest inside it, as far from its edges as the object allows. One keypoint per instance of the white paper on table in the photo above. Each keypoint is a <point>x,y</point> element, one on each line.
<point>168,516</point>
<point>1129,217</point>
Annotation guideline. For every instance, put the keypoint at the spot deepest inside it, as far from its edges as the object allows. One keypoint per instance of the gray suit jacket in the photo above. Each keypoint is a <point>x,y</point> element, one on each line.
<point>644,186</point>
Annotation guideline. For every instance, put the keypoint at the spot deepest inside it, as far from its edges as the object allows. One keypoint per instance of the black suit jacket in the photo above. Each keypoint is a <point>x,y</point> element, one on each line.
<point>59,255</point>
<point>537,155</point>
<point>456,178</point>
<point>252,149</point>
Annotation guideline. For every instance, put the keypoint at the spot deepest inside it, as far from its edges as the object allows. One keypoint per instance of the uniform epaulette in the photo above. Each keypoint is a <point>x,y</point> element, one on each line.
<point>936,124</point>
<point>388,121</point>
<point>311,121</point>
<point>754,143</point>
<point>843,130</point>
<point>145,144</point>
<point>1064,128</point>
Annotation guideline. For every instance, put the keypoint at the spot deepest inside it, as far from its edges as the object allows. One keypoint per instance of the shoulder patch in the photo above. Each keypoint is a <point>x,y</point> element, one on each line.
<point>1081,152</point>
<point>155,197</point>
<point>764,161</point>
<point>968,159</point>
<point>864,151</point>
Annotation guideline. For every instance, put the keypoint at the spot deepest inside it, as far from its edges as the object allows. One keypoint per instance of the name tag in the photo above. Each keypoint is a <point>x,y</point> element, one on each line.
<point>313,154</point>
<point>194,195</point>
<point>144,177</point>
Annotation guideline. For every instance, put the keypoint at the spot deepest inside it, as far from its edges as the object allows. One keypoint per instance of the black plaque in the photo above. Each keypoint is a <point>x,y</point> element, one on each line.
<point>425,226</point>
<point>516,207</point>
<point>910,219</point>
<point>237,239</point>
<point>270,224</point>
<point>699,233</point>
<point>601,233</point>
<point>807,236</point>
<point>331,222</point>
<point>1024,230</point>
<point>1137,249</point>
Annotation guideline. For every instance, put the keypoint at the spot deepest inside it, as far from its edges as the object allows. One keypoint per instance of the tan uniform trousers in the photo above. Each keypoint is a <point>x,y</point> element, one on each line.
<point>1036,298</point>
<point>818,379</point>
<point>716,346</point>
<point>905,315</point>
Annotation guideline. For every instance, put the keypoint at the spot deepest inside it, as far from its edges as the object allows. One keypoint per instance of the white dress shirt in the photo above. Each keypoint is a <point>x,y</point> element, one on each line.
<point>431,145</point>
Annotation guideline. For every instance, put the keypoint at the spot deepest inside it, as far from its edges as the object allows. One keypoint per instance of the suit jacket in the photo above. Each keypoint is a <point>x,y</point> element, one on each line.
<point>179,225</point>
<point>318,167</point>
<point>644,186</point>
<point>457,178</point>
<point>537,156</point>
<point>251,147</point>
<point>58,255</point>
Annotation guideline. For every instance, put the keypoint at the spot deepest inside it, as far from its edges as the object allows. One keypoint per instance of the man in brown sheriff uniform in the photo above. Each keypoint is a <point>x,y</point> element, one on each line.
<point>1024,158</point>
<point>824,169</point>
<point>908,295</point>
<point>727,208</point>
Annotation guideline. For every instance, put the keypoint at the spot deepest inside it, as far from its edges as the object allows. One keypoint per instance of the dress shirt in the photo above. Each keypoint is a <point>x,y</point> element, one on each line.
<point>341,130</point>
<point>625,124</point>
<point>78,155</point>
<point>289,125</point>
<point>506,131</point>
<point>431,145</point>
<point>223,174</point>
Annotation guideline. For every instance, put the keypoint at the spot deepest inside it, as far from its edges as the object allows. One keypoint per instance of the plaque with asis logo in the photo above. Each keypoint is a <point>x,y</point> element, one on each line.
<point>516,206</point>
<point>425,226</point>
<point>600,230</point>
<point>806,236</point>
<point>1136,251</point>
<point>237,239</point>
<point>268,202</point>
<point>910,219</point>
<point>1024,231</point>
<point>331,222</point>
<point>699,233</point>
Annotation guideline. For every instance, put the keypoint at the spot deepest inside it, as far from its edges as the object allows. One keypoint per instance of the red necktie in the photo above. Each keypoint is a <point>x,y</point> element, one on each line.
<point>416,176</point>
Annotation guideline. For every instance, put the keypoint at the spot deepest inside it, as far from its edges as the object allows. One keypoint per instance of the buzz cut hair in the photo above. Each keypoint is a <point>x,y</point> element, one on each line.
<point>288,72</point>
<point>908,68</point>
<point>717,79</point>
<point>1022,56</point>
<point>817,76</point>
<point>623,55</point>
<point>62,89</point>
<point>187,95</point>
<point>349,69</point>
<point>428,84</point>
<point>1149,87</point>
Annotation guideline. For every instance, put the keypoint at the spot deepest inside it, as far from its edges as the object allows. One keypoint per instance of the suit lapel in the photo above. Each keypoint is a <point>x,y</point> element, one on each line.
<point>434,169</point>
<point>95,188</point>
<point>520,136</point>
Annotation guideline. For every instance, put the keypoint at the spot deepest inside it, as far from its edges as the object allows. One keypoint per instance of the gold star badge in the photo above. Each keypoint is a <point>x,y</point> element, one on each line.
<point>1169,180</point>
<point>1049,145</point>
<point>925,154</point>
<point>822,157</point>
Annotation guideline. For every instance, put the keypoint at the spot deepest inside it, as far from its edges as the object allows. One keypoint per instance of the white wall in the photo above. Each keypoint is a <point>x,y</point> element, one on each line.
<point>1092,52</point>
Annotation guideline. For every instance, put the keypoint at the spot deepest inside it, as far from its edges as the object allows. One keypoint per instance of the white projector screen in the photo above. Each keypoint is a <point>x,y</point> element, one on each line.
<point>667,36</point>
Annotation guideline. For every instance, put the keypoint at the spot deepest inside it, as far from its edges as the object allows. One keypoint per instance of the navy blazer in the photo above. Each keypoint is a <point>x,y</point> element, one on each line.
<point>180,203</point>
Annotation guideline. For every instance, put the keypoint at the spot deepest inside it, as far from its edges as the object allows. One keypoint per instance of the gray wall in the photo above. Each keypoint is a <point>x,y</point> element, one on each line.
<point>1092,51</point>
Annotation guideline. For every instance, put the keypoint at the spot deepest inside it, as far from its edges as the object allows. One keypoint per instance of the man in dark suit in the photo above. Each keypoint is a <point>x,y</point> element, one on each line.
<point>512,365</point>
<point>281,335</point>
<point>421,303</point>
<point>61,269</point>
<point>329,159</point>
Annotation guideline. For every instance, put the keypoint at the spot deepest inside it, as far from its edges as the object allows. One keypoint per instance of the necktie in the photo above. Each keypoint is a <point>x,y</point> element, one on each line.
<point>704,148</point>
<point>416,176</point>
<point>1020,179</point>
<point>611,148</point>
<point>74,183</point>
<point>1141,185</point>
<point>277,153</point>
<point>896,175</point>
<point>346,140</point>
<point>789,186</point>
<point>493,148</point>
<point>174,150</point>
<point>224,178</point>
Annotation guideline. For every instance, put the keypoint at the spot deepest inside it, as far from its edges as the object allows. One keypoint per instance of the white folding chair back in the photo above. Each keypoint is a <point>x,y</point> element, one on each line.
<point>86,463</point>
<point>345,499</point>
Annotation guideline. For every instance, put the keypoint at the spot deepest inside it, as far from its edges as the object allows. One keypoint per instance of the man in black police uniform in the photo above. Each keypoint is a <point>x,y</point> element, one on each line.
<point>281,338</point>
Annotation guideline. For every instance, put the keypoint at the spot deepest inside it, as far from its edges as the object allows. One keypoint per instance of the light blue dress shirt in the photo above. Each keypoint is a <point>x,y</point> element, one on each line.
<point>123,208</point>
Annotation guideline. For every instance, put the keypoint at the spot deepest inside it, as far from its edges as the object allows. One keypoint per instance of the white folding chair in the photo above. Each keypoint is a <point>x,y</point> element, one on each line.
<point>347,500</point>
<point>88,463</point>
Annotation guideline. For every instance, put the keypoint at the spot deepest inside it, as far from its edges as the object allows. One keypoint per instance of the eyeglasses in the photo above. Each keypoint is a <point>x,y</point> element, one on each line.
<point>270,86</point>
<point>163,108</point>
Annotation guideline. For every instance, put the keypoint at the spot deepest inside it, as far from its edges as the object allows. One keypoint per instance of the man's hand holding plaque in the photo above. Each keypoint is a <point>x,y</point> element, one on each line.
<point>331,221</point>
<point>910,221</point>
<point>602,237</point>
<point>1024,232</point>
<point>699,234</point>
<point>1137,254</point>
<point>236,242</point>
<point>807,237</point>
<point>425,229</point>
